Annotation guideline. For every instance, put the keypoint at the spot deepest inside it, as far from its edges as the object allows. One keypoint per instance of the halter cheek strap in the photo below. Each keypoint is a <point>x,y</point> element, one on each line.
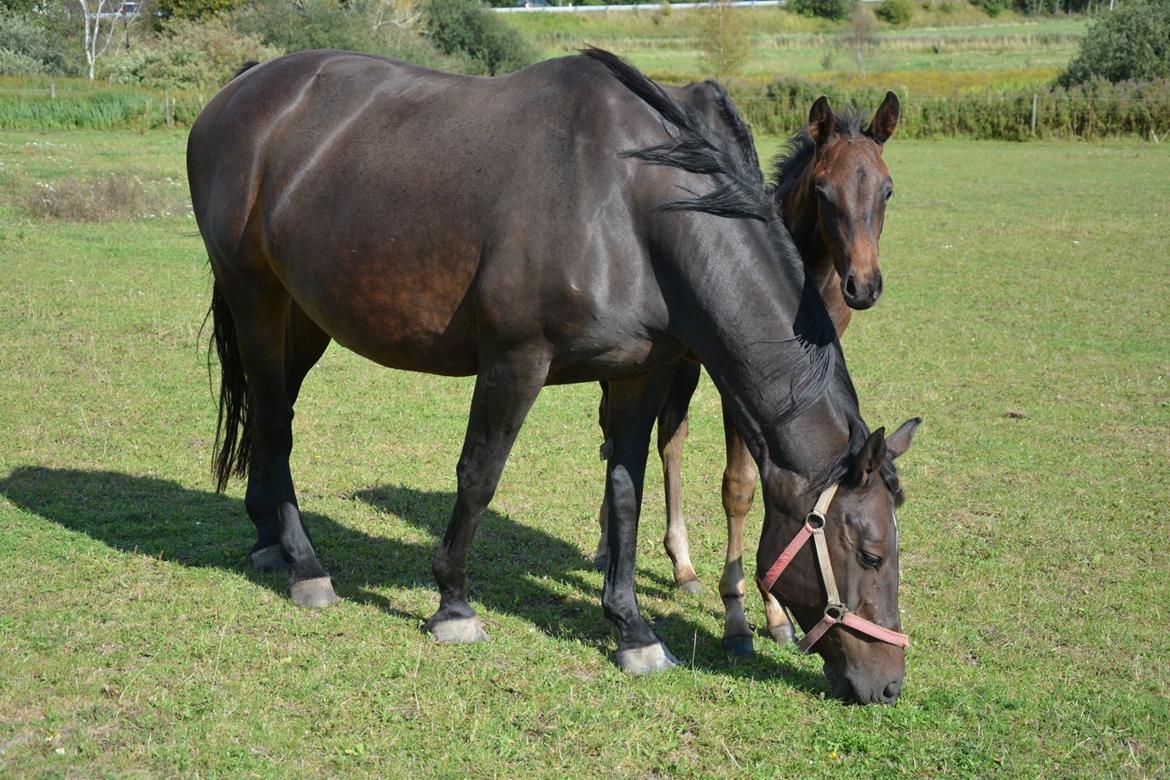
<point>835,609</point>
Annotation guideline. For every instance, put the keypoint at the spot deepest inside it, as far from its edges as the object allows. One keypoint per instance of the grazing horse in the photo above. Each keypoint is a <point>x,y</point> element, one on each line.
<point>831,190</point>
<point>389,207</point>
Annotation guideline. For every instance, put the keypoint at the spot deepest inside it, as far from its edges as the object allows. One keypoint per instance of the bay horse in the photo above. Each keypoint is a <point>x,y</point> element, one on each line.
<point>389,207</point>
<point>831,188</point>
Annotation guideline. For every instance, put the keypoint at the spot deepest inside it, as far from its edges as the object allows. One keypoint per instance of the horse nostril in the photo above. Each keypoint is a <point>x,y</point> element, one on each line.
<point>890,694</point>
<point>877,287</point>
<point>851,286</point>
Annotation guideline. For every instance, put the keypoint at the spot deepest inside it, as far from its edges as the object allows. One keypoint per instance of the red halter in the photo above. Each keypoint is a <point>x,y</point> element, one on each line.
<point>835,610</point>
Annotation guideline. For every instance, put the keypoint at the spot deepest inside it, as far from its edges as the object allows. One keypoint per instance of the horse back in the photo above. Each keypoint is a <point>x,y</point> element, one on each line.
<point>412,213</point>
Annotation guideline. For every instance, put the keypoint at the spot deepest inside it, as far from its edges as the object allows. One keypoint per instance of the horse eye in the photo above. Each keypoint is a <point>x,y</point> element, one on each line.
<point>872,561</point>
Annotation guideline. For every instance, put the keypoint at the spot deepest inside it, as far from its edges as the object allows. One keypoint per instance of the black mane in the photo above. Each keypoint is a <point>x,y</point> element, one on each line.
<point>693,147</point>
<point>740,131</point>
<point>815,364</point>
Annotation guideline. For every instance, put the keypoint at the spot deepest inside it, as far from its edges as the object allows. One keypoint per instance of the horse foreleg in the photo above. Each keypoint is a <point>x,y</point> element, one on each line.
<point>672,434</point>
<point>504,392</point>
<point>739,486</point>
<point>633,405</point>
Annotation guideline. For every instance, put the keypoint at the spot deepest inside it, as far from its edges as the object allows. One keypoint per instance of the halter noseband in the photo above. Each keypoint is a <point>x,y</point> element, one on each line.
<point>835,610</point>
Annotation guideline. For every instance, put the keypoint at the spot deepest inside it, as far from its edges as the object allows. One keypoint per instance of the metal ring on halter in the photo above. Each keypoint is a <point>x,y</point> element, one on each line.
<point>815,520</point>
<point>836,612</point>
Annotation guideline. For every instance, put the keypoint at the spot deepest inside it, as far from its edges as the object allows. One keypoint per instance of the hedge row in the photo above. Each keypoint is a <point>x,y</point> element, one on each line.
<point>1090,112</point>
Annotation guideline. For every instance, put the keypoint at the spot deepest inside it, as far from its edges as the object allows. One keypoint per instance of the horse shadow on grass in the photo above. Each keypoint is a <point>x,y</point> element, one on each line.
<point>513,569</point>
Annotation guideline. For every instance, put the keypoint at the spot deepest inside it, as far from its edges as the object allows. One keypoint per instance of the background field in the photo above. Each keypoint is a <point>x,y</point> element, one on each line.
<point>940,55</point>
<point>1024,318</point>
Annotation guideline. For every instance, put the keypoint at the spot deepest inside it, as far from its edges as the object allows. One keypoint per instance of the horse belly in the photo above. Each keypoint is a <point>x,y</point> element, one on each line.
<point>387,300</point>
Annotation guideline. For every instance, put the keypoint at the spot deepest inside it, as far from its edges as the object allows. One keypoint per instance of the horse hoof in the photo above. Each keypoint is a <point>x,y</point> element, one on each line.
<point>600,560</point>
<point>458,631</point>
<point>783,634</point>
<point>315,593</point>
<point>691,587</point>
<point>739,645</point>
<point>644,660</point>
<point>268,558</point>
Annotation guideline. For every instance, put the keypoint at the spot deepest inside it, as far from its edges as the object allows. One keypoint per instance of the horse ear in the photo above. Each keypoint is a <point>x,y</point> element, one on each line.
<point>885,120</point>
<point>899,441</point>
<point>870,459</point>
<point>820,121</point>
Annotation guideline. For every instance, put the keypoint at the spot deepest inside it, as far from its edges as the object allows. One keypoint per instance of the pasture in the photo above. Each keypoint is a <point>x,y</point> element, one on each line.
<point>941,54</point>
<point>1024,317</point>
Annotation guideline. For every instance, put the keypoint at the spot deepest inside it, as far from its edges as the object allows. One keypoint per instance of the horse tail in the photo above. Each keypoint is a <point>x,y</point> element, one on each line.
<point>233,430</point>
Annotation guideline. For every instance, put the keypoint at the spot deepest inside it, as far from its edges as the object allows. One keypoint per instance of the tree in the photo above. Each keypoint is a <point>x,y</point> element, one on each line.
<point>723,39</point>
<point>1129,44</point>
<point>95,13</point>
<point>826,9</point>
<point>860,38</point>
<point>468,30</point>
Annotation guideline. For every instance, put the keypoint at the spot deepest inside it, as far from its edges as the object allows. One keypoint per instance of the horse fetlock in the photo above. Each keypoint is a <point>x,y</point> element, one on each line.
<point>268,558</point>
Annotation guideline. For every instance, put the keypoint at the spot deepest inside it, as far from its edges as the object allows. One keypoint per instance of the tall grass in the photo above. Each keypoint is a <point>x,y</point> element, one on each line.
<point>68,104</point>
<point>1099,111</point>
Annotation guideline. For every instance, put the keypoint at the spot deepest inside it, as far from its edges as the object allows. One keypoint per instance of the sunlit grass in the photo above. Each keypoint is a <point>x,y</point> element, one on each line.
<point>1024,317</point>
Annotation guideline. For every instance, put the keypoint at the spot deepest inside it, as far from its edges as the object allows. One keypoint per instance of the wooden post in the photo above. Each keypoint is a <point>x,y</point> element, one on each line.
<point>1034,114</point>
<point>167,107</point>
<point>52,90</point>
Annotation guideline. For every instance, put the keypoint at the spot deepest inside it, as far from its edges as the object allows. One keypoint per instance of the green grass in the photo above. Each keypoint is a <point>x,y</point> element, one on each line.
<point>1023,279</point>
<point>938,55</point>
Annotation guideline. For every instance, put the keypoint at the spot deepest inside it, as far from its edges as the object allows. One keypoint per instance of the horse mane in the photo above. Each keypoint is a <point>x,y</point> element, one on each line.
<point>792,158</point>
<point>693,147</point>
<point>736,123</point>
<point>814,363</point>
<point>838,470</point>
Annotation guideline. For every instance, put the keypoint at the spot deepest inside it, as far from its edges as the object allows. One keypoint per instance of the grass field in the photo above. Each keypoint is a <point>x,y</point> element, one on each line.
<point>939,54</point>
<point>1024,317</point>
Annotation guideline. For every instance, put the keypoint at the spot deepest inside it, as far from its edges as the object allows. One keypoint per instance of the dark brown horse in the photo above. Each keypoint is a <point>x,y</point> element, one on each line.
<point>831,189</point>
<point>391,208</point>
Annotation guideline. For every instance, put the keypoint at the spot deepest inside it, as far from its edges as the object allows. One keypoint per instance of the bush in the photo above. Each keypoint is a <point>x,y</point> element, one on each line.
<point>895,12</point>
<point>14,63</point>
<point>1130,44</point>
<point>1096,111</point>
<point>992,8</point>
<point>189,55</point>
<point>468,30</point>
<point>826,9</point>
<point>27,47</point>
<point>723,39</point>
<point>358,25</point>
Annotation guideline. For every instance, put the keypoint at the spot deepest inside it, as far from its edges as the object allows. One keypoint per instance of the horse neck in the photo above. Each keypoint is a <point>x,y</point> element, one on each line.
<point>737,311</point>
<point>802,215</point>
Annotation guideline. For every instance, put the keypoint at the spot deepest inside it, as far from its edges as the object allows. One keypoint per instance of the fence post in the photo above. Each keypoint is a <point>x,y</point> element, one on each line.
<point>167,107</point>
<point>1033,114</point>
<point>52,90</point>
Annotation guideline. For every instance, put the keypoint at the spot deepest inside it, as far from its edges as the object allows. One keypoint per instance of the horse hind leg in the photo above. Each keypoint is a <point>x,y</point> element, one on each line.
<point>504,392</point>
<point>602,555</point>
<point>672,434</point>
<point>259,316</point>
<point>304,344</point>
